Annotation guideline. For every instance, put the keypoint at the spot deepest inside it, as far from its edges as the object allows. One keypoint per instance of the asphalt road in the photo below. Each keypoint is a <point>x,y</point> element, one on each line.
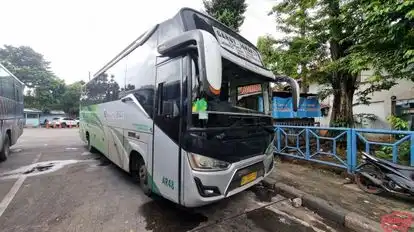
<point>50,183</point>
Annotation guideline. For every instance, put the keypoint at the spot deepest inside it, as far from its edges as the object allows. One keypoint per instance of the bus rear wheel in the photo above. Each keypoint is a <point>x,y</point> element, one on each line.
<point>140,174</point>
<point>5,151</point>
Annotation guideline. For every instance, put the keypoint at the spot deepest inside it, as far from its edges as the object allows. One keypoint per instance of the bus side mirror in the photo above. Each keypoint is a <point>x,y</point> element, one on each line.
<point>209,56</point>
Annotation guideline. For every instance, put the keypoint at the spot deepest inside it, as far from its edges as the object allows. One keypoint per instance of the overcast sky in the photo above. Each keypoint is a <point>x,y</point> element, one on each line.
<point>80,36</point>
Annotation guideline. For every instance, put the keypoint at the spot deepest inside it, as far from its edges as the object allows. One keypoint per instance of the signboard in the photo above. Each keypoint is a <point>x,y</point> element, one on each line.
<point>249,89</point>
<point>309,108</point>
<point>237,47</point>
<point>283,108</point>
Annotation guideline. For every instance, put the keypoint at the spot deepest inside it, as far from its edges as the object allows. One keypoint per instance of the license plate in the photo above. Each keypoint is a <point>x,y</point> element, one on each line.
<point>248,178</point>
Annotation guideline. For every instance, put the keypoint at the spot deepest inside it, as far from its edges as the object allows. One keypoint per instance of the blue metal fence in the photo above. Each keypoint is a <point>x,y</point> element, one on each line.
<point>340,147</point>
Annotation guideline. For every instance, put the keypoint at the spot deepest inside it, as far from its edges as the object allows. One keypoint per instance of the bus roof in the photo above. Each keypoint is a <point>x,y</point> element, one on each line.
<point>181,16</point>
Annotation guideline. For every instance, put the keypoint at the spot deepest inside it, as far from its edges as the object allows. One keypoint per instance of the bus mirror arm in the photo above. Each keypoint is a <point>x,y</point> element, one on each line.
<point>210,66</point>
<point>295,89</point>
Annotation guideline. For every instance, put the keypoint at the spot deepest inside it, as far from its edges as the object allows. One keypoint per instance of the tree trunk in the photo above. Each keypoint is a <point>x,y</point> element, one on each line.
<point>342,112</point>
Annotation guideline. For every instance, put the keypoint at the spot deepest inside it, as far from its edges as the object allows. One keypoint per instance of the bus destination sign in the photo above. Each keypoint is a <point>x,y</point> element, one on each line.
<point>232,44</point>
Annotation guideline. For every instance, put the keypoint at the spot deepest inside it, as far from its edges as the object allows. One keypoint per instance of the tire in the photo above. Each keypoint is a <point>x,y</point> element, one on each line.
<point>140,174</point>
<point>5,151</point>
<point>63,125</point>
<point>91,149</point>
<point>365,184</point>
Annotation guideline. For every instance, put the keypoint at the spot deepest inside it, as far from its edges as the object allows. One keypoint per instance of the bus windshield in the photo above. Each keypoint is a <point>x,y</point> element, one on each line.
<point>241,94</point>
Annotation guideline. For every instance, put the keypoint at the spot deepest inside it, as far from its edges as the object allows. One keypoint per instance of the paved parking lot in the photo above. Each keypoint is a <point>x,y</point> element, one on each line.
<point>50,183</point>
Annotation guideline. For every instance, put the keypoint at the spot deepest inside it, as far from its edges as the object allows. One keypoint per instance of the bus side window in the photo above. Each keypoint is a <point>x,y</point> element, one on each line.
<point>140,74</point>
<point>169,80</point>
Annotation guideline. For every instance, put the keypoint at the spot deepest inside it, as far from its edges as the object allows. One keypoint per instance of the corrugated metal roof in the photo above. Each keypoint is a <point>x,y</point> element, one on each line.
<point>31,110</point>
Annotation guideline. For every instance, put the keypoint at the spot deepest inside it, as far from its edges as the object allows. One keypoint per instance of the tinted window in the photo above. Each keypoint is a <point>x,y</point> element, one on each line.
<point>3,76</point>
<point>169,75</point>
<point>7,84</point>
<point>140,74</point>
<point>116,81</point>
<point>169,83</point>
<point>32,115</point>
<point>135,73</point>
<point>194,20</point>
<point>169,29</point>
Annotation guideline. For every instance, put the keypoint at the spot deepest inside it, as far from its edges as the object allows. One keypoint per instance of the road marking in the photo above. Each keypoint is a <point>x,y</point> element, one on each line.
<point>13,191</point>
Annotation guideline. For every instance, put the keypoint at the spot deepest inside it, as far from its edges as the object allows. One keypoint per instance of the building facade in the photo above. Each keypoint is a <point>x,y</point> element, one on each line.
<point>400,99</point>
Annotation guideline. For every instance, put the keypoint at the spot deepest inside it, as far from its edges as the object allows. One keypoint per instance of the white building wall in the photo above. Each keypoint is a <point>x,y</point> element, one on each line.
<point>380,102</point>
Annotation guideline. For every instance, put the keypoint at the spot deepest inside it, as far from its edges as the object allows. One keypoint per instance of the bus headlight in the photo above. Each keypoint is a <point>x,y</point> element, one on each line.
<point>203,163</point>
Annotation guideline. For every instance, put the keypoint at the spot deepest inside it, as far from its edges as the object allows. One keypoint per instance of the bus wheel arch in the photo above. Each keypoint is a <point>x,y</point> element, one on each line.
<point>5,150</point>
<point>139,171</point>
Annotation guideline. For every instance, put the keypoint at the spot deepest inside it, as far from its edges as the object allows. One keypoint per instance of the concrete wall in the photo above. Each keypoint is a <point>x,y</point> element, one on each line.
<point>31,121</point>
<point>324,120</point>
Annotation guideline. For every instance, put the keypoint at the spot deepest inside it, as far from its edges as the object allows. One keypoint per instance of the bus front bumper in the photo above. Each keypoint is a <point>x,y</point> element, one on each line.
<point>208,187</point>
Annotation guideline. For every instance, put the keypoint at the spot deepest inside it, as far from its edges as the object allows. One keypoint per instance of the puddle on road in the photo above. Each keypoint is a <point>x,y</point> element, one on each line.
<point>40,168</point>
<point>162,216</point>
<point>104,161</point>
<point>16,150</point>
<point>270,221</point>
<point>86,153</point>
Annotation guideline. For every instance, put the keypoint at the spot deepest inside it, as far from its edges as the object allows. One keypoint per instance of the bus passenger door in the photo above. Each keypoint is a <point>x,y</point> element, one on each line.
<point>166,156</point>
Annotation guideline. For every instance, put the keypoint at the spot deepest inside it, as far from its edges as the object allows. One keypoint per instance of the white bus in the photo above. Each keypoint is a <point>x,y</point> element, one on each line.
<point>11,111</point>
<point>166,110</point>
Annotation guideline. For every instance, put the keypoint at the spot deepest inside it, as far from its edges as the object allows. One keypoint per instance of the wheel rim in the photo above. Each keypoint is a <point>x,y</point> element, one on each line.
<point>143,175</point>
<point>7,148</point>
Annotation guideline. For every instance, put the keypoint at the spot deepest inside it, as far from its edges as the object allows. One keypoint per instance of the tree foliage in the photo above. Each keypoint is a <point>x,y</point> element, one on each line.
<point>44,90</point>
<point>385,42</point>
<point>331,41</point>
<point>70,99</point>
<point>228,12</point>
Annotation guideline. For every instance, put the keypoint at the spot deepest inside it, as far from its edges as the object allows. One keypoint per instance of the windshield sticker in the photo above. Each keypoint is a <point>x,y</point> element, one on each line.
<point>203,115</point>
<point>200,105</point>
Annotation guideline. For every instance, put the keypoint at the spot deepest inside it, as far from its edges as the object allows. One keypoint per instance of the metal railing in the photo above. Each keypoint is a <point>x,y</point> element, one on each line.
<point>341,147</point>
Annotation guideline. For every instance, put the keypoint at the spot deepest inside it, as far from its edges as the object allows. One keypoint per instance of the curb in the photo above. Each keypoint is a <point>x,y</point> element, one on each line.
<point>333,212</point>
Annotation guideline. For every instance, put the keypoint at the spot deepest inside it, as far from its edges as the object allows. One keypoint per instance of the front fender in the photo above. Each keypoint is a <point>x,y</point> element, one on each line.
<point>137,146</point>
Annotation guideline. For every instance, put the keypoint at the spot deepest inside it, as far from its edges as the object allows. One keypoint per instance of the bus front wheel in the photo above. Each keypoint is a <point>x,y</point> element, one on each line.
<point>140,174</point>
<point>4,153</point>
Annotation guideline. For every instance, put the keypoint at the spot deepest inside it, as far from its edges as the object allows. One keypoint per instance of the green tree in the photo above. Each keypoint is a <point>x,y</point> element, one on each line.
<point>228,12</point>
<point>330,42</point>
<point>385,41</point>
<point>34,71</point>
<point>28,65</point>
<point>70,99</point>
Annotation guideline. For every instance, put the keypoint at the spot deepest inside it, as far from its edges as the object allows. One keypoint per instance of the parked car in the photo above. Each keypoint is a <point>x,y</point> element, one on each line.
<point>77,121</point>
<point>63,122</point>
